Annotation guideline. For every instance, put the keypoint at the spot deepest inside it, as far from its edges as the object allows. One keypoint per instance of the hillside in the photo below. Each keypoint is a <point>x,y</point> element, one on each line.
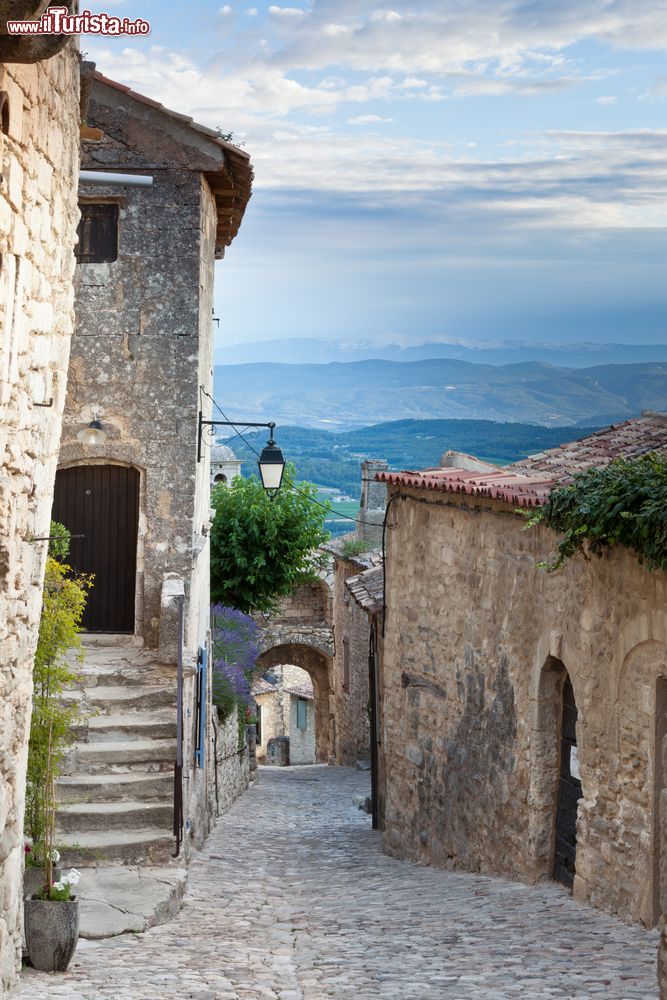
<point>333,459</point>
<point>346,396</point>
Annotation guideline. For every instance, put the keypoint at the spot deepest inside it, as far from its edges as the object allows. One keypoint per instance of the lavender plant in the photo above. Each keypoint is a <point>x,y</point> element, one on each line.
<point>236,647</point>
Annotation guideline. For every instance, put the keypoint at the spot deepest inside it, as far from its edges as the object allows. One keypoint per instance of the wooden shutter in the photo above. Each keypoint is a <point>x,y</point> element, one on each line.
<point>98,233</point>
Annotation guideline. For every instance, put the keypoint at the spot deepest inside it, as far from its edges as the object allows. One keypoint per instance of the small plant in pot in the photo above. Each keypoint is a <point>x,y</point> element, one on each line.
<point>52,914</point>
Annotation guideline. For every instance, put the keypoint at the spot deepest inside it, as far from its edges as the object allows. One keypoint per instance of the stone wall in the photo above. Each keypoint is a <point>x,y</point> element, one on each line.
<point>232,765</point>
<point>141,350</point>
<point>301,741</point>
<point>279,714</point>
<point>350,670</point>
<point>39,147</point>
<point>477,643</point>
<point>311,603</point>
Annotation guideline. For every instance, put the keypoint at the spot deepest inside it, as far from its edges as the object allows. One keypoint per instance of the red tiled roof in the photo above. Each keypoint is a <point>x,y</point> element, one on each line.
<point>522,491</point>
<point>528,482</point>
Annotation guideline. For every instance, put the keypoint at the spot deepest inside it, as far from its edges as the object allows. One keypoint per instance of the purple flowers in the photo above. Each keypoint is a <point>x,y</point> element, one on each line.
<point>236,646</point>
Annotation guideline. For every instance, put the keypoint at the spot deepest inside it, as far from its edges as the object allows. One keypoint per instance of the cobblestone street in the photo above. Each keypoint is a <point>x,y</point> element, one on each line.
<point>292,899</point>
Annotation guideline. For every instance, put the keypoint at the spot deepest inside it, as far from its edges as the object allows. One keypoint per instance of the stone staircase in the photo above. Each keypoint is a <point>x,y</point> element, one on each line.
<point>115,796</point>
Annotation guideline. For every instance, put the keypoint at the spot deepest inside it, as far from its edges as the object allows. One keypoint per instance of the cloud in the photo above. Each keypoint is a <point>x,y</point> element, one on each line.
<point>225,11</point>
<point>286,11</point>
<point>368,120</point>
<point>607,100</point>
<point>583,179</point>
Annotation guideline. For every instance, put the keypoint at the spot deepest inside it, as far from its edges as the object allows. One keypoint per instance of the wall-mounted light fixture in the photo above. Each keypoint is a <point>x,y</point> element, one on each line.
<point>93,434</point>
<point>271,463</point>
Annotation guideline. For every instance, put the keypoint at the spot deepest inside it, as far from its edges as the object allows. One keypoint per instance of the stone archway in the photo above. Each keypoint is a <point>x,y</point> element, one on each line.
<point>318,665</point>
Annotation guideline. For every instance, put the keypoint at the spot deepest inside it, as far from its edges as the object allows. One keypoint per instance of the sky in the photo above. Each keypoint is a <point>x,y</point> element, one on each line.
<point>457,170</point>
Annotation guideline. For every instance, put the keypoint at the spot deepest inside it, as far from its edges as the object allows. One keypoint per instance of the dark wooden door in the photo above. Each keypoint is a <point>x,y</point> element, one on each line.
<point>569,791</point>
<point>101,502</point>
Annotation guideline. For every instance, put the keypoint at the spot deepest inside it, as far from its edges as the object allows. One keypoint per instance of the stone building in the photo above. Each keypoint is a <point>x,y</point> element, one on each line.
<point>224,464</point>
<point>286,709</point>
<point>300,634</point>
<point>353,554</point>
<point>39,164</point>
<point>130,479</point>
<point>523,712</point>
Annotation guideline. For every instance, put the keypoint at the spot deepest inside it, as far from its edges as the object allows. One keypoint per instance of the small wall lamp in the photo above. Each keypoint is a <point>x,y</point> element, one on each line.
<point>93,434</point>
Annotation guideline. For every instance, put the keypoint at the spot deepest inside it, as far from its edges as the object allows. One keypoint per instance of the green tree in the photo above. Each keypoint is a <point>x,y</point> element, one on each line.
<point>261,549</point>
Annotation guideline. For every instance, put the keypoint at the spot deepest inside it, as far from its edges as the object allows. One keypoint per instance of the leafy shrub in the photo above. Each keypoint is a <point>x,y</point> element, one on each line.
<point>624,503</point>
<point>63,603</point>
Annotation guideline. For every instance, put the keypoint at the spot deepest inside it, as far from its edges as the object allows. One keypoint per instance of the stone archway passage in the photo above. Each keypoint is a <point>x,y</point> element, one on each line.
<point>318,665</point>
<point>569,791</point>
<point>101,503</point>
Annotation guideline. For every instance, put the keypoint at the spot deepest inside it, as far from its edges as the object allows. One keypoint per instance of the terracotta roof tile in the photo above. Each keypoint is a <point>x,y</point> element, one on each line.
<point>367,589</point>
<point>300,691</point>
<point>528,482</point>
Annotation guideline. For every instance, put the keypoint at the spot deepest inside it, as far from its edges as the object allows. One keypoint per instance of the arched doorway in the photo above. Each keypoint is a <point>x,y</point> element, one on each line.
<point>569,790</point>
<point>100,503</point>
<point>555,783</point>
<point>318,665</point>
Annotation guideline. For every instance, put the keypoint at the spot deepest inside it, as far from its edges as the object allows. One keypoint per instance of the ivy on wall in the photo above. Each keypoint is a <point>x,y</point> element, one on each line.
<point>624,503</point>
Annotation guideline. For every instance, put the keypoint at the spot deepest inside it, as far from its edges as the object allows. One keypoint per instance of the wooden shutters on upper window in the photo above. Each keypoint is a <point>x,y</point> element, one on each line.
<point>98,233</point>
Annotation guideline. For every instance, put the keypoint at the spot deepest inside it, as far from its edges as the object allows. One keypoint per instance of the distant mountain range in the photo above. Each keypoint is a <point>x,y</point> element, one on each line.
<point>303,350</point>
<point>345,396</point>
<point>334,459</point>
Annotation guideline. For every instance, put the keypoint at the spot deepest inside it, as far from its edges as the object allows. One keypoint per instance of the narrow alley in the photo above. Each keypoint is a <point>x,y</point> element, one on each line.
<point>292,899</point>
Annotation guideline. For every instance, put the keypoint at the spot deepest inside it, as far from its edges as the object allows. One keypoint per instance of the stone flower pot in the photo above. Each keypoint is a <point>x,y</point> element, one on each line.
<point>51,932</point>
<point>34,879</point>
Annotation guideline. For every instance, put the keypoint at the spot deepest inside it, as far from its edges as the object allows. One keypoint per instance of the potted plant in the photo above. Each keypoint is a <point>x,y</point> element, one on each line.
<point>52,913</point>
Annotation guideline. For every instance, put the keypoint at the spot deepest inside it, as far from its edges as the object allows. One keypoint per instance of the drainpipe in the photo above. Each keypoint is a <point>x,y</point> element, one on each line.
<point>178,767</point>
<point>111,179</point>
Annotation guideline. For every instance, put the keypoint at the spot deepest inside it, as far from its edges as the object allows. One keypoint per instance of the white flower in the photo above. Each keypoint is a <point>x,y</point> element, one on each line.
<point>59,885</point>
<point>55,856</point>
<point>71,877</point>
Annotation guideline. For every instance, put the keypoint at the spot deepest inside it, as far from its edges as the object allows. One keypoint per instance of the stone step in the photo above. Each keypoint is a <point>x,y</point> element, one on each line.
<point>83,848</point>
<point>106,756</point>
<point>112,816</point>
<point>160,724</point>
<point>123,786</point>
<point>118,698</point>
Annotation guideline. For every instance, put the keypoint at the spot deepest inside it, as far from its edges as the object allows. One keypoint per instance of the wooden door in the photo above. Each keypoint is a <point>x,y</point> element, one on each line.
<point>101,502</point>
<point>569,791</point>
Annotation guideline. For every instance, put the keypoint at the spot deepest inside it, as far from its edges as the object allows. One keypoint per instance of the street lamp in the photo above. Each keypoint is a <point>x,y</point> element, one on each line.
<point>271,463</point>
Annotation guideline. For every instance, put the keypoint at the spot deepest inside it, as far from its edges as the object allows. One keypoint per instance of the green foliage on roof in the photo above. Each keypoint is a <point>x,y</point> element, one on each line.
<point>624,503</point>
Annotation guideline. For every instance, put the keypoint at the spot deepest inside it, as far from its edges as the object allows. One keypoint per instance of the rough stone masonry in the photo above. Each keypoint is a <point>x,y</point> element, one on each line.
<point>39,147</point>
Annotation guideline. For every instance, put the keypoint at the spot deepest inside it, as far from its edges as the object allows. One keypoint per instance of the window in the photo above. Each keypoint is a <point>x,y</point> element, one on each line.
<point>301,713</point>
<point>98,233</point>
<point>346,664</point>
<point>258,724</point>
<point>220,478</point>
